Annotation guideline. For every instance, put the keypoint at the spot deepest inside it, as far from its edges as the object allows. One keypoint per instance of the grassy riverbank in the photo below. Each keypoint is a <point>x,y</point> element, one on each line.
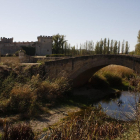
<point>26,92</point>
<point>112,76</point>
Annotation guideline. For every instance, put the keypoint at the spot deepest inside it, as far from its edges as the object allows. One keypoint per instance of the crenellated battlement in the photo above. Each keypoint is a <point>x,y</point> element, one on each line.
<point>45,37</point>
<point>43,45</point>
<point>6,40</point>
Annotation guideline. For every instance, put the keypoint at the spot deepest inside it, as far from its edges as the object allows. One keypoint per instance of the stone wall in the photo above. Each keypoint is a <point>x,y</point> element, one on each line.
<point>43,45</point>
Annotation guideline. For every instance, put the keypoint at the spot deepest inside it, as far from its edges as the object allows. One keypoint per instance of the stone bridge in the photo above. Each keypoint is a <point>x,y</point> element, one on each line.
<point>80,69</point>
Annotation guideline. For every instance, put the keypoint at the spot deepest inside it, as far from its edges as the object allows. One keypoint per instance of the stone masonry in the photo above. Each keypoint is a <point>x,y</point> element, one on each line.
<point>80,69</point>
<point>43,46</point>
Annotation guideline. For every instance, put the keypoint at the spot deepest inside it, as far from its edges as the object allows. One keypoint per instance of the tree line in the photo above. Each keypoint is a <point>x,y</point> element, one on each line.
<point>106,46</point>
<point>137,47</point>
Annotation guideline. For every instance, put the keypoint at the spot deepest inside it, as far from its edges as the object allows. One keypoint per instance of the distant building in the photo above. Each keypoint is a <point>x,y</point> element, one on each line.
<point>42,47</point>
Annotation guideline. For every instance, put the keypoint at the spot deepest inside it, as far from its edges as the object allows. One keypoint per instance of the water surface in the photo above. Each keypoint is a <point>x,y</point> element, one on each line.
<point>122,106</point>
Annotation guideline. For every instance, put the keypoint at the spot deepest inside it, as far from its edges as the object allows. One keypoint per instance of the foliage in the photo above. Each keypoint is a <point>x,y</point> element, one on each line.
<point>101,47</point>
<point>58,43</point>
<point>137,47</point>
<point>7,84</point>
<point>126,48</point>
<point>28,97</point>
<point>17,52</point>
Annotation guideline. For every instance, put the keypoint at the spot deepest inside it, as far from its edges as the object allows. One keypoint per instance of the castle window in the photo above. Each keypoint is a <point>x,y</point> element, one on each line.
<point>47,50</point>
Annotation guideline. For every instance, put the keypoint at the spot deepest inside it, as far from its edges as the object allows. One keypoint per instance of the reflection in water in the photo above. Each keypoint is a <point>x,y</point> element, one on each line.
<point>122,106</point>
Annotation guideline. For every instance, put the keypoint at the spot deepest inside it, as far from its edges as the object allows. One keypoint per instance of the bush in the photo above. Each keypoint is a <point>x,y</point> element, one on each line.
<point>18,132</point>
<point>28,98</point>
<point>7,85</point>
<point>17,52</point>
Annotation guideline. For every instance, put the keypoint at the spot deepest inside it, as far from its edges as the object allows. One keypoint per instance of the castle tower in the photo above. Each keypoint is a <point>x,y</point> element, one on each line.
<point>6,40</point>
<point>44,45</point>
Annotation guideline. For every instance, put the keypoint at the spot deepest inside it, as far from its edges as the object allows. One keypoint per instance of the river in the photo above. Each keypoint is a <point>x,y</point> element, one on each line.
<point>121,106</point>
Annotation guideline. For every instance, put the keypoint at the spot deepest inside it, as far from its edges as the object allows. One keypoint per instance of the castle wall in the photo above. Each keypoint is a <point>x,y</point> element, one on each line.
<point>8,48</point>
<point>43,45</point>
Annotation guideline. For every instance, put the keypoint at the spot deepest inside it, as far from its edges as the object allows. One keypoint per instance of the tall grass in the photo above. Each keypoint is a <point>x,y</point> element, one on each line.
<point>111,76</point>
<point>9,61</point>
<point>88,124</point>
<point>17,132</point>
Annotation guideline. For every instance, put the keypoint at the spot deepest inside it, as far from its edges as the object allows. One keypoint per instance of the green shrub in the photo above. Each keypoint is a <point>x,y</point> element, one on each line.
<point>8,84</point>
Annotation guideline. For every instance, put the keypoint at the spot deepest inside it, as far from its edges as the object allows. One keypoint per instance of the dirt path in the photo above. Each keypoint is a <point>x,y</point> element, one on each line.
<point>55,116</point>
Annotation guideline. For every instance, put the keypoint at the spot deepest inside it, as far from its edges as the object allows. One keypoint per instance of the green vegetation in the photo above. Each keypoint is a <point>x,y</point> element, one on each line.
<point>29,95</point>
<point>58,43</point>
<point>61,46</point>
<point>137,47</point>
<point>27,92</point>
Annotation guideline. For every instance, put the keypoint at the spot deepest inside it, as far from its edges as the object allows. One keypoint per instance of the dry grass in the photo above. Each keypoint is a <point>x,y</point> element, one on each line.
<point>120,71</point>
<point>17,132</point>
<point>28,98</point>
<point>87,125</point>
<point>112,76</point>
<point>9,59</point>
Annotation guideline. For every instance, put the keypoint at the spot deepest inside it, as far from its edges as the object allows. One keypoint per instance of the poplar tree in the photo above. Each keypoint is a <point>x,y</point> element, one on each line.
<point>122,47</point>
<point>118,47</point>
<point>126,47</point>
<point>137,47</point>
<point>115,48</point>
<point>97,49</point>
<point>101,47</point>
<point>80,50</point>
<point>108,46</point>
<point>104,46</point>
<point>111,47</point>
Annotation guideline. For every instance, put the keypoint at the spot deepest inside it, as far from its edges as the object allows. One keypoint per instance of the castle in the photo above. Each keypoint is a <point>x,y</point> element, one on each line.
<point>42,47</point>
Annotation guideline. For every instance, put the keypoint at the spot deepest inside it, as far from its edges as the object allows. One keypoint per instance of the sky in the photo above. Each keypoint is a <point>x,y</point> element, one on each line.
<point>78,20</point>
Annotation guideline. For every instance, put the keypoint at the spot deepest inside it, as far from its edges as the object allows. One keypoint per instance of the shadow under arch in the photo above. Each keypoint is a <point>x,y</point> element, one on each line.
<point>83,74</point>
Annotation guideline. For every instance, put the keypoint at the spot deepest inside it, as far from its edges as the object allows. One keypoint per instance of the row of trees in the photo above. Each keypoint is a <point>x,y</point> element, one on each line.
<point>61,46</point>
<point>111,47</point>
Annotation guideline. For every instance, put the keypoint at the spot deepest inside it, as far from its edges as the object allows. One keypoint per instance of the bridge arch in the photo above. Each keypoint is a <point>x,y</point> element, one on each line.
<point>80,69</point>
